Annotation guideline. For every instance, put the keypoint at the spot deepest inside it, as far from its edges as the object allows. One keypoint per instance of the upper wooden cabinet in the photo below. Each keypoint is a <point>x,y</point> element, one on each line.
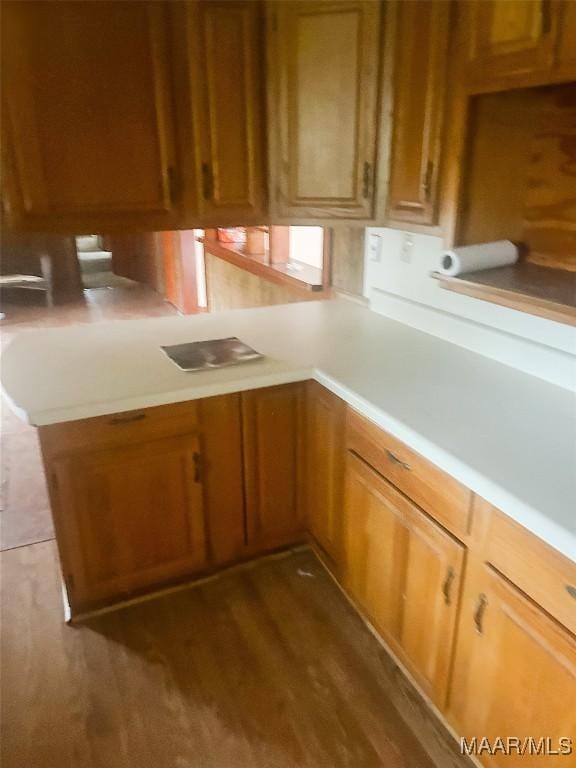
<point>515,672</point>
<point>273,432</point>
<point>421,56</point>
<point>508,42</point>
<point>88,117</point>
<point>326,419</point>
<point>324,60</point>
<point>226,48</point>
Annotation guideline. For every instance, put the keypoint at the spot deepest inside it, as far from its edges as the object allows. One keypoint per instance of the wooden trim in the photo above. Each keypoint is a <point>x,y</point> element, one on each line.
<point>514,299</point>
<point>274,273</point>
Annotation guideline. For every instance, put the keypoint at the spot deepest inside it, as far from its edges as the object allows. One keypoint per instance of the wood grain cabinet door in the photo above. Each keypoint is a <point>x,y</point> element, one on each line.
<point>226,48</point>
<point>375,547</point>
<point>326,415</point>
<point>129,517</point>
<point>88,120</point>
<point>508,38</point>
<point>421,46</point>
<point>324,62</point>
<point>431,598</point>
<point>273,431</point>
<point>515,673</point>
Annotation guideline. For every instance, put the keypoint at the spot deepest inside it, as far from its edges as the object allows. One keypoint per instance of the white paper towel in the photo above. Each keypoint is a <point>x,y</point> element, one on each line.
<point>472,258</point>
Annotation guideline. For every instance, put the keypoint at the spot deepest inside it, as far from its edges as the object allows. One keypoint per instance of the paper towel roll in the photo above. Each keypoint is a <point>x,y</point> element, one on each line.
<point>472,258</point>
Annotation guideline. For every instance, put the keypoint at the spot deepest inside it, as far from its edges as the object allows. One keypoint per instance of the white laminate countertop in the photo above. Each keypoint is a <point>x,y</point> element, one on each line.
<point>508,436</point>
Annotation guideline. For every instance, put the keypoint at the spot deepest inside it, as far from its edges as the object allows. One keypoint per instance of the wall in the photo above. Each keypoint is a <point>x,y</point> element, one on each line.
<point>348,259</point>
<point>229,287</point>
<point>399,285</point>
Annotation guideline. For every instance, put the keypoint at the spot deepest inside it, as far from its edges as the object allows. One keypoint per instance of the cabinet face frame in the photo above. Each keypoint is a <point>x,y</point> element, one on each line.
<point>28,205</point>
<point>286,205</point>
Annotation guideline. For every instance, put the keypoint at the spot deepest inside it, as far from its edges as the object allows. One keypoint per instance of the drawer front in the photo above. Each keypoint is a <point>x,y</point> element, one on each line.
<point>119,429</point>
<point>433,490</point>
<point>537,569</point>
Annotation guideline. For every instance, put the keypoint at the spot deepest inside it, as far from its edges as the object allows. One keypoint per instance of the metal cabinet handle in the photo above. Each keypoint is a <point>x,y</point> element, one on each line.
<point>447,585</point>
<point>395,460</point>
<point>546,17</point>
<point>427,180</point>
<point>479,613</point>
<point>128,419</point>
<point>207,182</point>
<point>367,180</point>
<point>197,459</point>
<point>173,187</point>
<point>571,589</point>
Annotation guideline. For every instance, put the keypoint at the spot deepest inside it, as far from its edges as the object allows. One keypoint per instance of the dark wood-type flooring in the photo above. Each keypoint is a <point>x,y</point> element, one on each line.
<point>263,667</point>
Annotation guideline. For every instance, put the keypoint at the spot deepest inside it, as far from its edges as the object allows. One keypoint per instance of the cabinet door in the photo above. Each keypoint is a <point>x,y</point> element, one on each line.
<point>431,598</point>
<point>272,420</point>
<point>88,115</point>
<point>227,51</point>
<point>375,547</point>
<point>508,38</point>
<point>419,105</point>
<point>129,517</point>
<point>326,415</point>
<point>515,672</point>
<point>324,60</point>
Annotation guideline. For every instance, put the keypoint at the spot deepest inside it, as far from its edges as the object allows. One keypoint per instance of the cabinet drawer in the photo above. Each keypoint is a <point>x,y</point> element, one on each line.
<point>429,487</point>
<point>119,428</point>
<point>537,569</point>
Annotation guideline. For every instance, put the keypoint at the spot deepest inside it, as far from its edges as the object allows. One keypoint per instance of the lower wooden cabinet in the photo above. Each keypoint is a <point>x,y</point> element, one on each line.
<point>272,422</point>
<point>128,517</point>
<point>325,421</point>
<point>515,672</point>
<point>405,572</point>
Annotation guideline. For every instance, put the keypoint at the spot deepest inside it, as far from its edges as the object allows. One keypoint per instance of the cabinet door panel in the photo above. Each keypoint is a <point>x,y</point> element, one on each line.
<point>226,44</point>
<point>375,541</point>
<point>325,464</point>
<point>515,672</point>
<point>88,111</point>
<point>509,38</point>
<point>419,95</point>
<point>325,58</point>
<point>130,516</point>
<point>431,598</point>
<point>272,421</point>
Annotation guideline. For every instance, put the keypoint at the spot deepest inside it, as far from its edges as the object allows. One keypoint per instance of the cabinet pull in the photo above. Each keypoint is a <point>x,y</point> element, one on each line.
<point>395,460</point>
<point>427,180</point>
<point>479,613</point>
<point>571,590</point>
<point>197,467</point>
<point>128,419</point>
<point>207,182</point>
<point>447,586</point>
<point>546,17</point>
<point>367,180</point>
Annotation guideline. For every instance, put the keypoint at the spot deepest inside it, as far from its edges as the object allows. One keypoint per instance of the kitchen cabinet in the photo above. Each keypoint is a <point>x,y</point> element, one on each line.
<point>508,39</point>
<point>326,420</point>
<point>515,672</point>
<point>88,120</point>
<point>225,42</point>
<point>405,572</point>
<point>421,54</point>
<point>566,51</point>
<point>273,431</point>
<point>131,516</point>
<point>324,60</point>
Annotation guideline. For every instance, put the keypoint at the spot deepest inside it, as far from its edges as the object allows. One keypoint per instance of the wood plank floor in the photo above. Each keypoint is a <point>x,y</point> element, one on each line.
<point>267,667</point>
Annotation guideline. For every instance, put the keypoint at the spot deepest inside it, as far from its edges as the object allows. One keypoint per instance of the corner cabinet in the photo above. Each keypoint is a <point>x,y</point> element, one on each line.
<point>324,61</point>
<point>225,43</point>
<point>88,122</point>
<point>515,672</point>
<point>419,93</point>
